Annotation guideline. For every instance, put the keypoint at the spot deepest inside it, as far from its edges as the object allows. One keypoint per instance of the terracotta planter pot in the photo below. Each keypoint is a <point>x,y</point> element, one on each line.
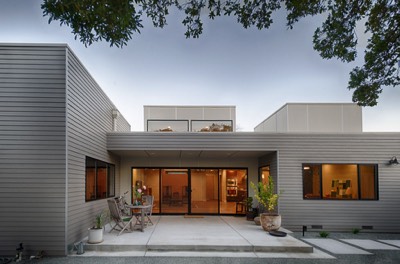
<point>270,221</point>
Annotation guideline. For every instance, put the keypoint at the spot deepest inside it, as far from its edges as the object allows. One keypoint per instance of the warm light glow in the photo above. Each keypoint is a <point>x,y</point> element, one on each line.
<point>262,176</point>
<point>306,168</point>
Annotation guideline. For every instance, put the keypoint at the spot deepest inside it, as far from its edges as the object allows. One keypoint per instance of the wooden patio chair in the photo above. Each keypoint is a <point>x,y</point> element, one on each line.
<point>122,223</point>
<point>148,200</point>
<point>122,205</point>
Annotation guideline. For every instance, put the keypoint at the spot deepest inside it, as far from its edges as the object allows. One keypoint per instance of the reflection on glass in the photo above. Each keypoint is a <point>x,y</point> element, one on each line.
<point>212,126</point>
<point>167,125</point>
<point>312,182</point>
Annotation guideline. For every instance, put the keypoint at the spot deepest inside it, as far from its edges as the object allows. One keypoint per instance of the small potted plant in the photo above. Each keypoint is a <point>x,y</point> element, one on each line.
<point>96,231</point>
<point>139,191</point>
<point>251,212</point>
<point>268,200</point>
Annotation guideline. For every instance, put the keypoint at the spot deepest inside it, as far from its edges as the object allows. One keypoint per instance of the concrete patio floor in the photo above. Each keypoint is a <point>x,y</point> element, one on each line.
<point>222,234</point>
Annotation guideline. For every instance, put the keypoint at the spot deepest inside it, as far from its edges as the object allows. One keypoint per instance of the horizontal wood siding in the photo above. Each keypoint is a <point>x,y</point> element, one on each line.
<point>292,151</point>
<point>89,117</point>
<point>32,148</point>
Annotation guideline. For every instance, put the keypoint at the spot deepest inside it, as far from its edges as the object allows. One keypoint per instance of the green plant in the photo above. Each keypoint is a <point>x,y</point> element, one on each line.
<point>323,234</point>
<point>138,191</point>
<point>265,194</point>
<point>100,219</point>
<point>355,231</point>
<point>249,203</point>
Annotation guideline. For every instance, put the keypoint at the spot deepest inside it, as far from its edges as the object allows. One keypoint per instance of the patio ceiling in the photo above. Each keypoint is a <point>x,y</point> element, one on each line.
<point>187,154</point>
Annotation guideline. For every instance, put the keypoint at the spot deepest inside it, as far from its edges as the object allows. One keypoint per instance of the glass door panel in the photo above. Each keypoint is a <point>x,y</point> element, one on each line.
<point>233,190</point>
<point>174,191</point>
<point>151,179</point>
<point>204,185</point>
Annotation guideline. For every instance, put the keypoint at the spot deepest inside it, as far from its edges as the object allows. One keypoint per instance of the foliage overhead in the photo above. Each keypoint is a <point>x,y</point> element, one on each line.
<point>116,21</point>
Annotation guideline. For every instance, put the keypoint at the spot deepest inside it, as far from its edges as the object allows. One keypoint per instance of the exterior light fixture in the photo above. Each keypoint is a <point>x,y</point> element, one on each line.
<point>393,161</point>
<point>115,113</point>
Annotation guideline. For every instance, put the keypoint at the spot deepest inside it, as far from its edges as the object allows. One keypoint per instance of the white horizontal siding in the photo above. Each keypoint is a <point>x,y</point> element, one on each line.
<point>32,148</point>
<point>89,118</point>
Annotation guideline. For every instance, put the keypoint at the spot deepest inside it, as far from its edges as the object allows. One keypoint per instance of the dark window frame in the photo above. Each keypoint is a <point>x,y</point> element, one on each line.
<point>376,181</point>
<point>110,188</point>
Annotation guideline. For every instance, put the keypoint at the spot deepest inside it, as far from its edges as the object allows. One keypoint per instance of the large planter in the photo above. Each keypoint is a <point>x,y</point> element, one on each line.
<point>95,235</point>
<point>270,221</point>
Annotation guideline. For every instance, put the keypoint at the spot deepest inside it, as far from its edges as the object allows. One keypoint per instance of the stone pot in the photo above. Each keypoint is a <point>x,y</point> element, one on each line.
<point>95,235</point>
<point>257,220</point>
<point>270,221</point>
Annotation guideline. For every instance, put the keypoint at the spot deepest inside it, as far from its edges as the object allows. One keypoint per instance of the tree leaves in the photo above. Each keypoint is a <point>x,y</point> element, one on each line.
<point>116,21</point>
<point>92,20</point>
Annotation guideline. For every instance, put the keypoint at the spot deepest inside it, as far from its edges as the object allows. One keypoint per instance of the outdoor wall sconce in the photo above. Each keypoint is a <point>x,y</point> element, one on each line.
<point>393,161</point>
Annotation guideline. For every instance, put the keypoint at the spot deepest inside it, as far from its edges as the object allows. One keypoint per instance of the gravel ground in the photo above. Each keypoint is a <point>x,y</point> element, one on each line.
<point>378,257</point>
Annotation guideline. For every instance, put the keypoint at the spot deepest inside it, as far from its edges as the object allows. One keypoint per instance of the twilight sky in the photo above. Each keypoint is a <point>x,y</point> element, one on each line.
<point>258,71</point>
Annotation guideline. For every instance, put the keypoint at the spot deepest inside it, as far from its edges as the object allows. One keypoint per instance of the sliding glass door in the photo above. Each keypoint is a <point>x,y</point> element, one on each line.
<point>194,191</point>
<point>174,191</point>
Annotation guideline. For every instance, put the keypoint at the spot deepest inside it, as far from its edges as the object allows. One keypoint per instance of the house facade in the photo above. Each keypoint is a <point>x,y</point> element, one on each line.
<point>65,149</point>
<point>53,117</point>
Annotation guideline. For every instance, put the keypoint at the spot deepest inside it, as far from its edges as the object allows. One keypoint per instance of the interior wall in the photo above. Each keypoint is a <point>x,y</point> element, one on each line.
<point>341,173</point>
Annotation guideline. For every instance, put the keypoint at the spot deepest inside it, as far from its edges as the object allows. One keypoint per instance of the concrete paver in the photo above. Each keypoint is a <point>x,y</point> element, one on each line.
<point>391,242</point>
<point>335,246</point>
<point>369,244</point>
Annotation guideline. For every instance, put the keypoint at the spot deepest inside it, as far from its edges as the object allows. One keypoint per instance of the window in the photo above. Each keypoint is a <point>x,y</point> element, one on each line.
<point>264,174</point>
<point>340,181</point>
<point>212,126</point>
<point>100,179</point>
<point>167,125</point>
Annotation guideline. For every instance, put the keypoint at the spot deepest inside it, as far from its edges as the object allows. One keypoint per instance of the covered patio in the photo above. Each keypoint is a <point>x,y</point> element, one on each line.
<point>196,234</point>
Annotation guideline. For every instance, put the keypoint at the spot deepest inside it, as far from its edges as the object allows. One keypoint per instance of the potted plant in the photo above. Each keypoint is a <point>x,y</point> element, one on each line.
<point>96,231</point>
<point>139,191</point>
<point>268,200</point>
<point>251,212</point>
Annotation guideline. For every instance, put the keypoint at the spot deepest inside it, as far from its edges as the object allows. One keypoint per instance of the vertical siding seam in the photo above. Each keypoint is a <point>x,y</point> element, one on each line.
<point>66,152</point>
<point>287,119</point>
<point>307,119</point>
<point>342,119</point>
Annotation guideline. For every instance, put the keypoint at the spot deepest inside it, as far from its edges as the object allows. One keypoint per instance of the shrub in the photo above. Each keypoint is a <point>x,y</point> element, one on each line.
<point>323,234</point>
<point>355,231</point>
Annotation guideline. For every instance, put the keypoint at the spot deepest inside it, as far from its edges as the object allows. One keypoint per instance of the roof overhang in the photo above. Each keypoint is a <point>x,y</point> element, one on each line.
<point>191,154</point>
